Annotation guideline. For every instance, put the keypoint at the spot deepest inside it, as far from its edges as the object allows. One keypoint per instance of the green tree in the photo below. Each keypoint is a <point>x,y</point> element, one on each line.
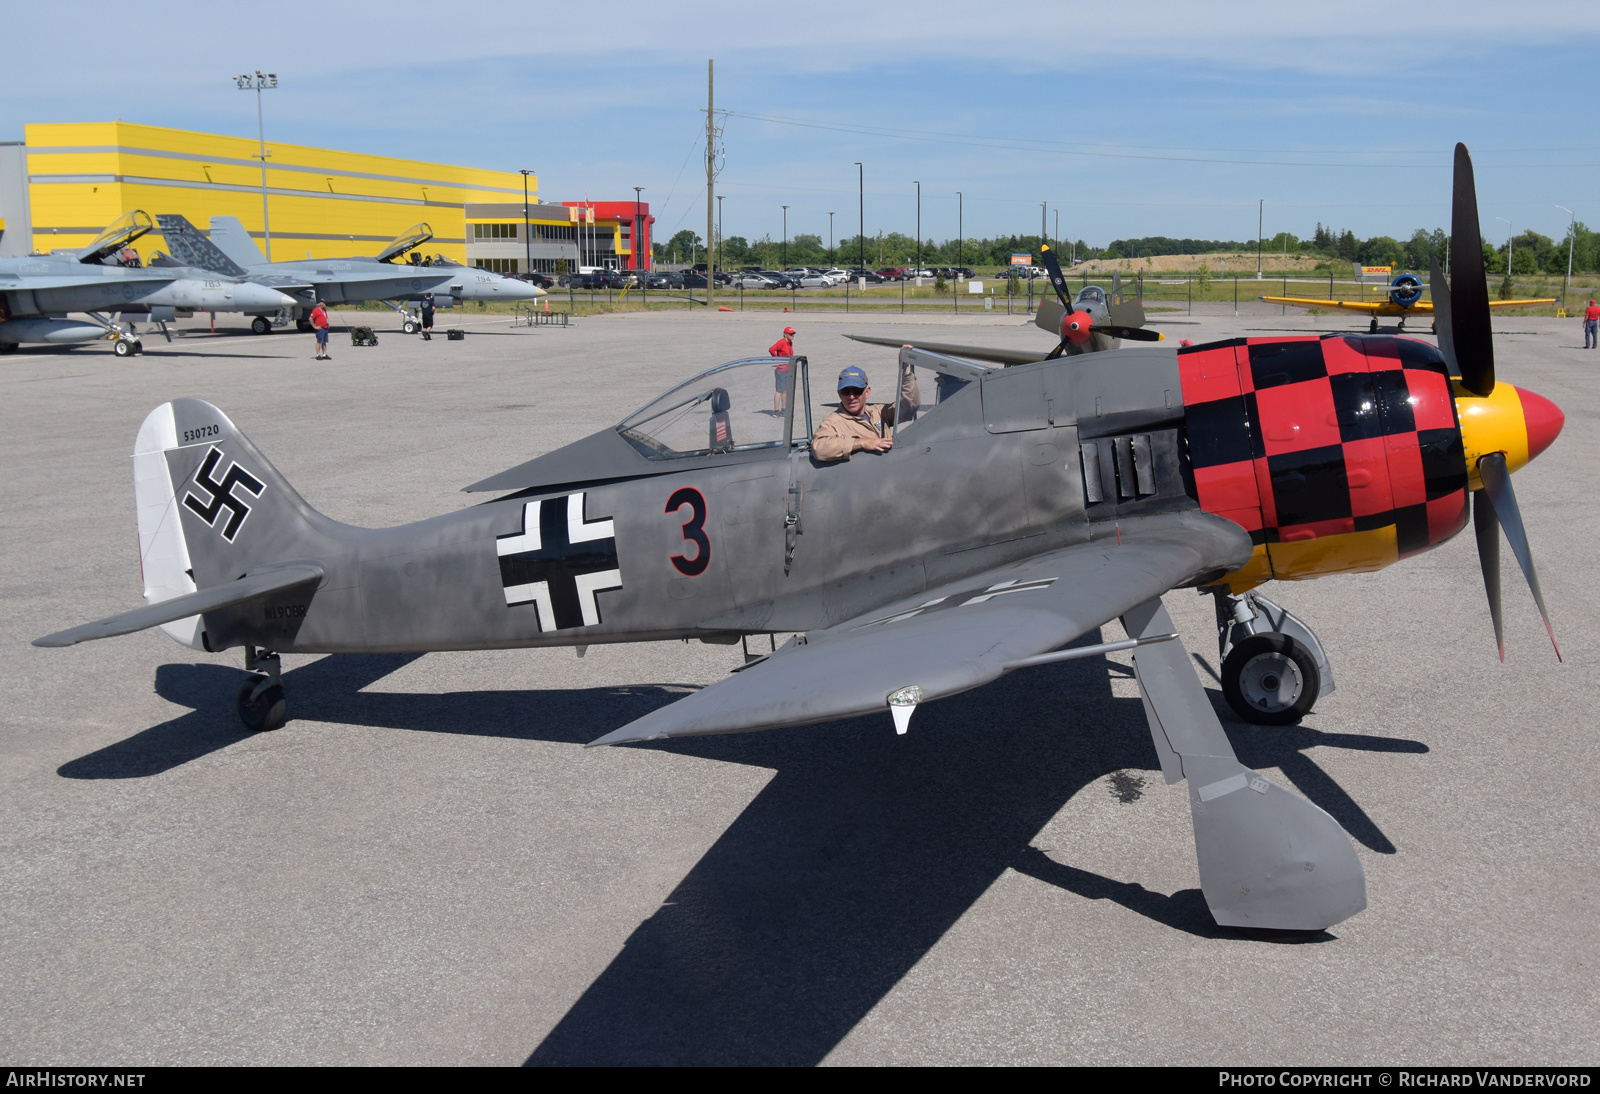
<point>684,244</point>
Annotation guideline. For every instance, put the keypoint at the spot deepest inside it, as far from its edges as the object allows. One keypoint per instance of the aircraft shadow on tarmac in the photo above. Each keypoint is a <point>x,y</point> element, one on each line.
<point>860,853</point>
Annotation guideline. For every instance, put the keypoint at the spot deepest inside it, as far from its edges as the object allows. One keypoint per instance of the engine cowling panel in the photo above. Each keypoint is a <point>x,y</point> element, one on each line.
<point>1338,454</point>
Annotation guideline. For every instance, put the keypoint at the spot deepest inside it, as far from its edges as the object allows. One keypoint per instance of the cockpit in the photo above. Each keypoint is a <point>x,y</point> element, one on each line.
<point>729,409</point>
<point>725,409</point>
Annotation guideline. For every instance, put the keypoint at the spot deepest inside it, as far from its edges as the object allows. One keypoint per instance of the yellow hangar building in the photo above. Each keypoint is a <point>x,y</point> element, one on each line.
<point>66,182</point>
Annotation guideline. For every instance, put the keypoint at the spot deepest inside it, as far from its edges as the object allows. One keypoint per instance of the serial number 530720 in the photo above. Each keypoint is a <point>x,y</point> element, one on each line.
<point>203,431</point>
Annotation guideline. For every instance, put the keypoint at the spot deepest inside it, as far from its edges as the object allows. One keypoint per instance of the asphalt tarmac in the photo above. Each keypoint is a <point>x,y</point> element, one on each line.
<point>426,866</point>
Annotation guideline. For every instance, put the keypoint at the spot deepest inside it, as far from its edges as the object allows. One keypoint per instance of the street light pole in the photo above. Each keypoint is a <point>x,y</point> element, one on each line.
<point>1511,242</point>
<point>919,230</point>
<point>1572,237</point>
<point>527,235</point>
<point>1043,219</point>
<point>961,240</point>
<point>832,261</point>
<point>786,237</point>
<point>259,83</point>
<point>861,211</point>
<point>1261,214</point>
<point>637,190</point>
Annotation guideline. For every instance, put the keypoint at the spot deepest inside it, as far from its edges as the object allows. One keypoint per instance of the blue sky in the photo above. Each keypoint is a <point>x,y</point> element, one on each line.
<point>1155,119</point>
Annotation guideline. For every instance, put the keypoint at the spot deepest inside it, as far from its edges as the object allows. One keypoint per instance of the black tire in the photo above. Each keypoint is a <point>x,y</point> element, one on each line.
<point>1271,680</point>
<point>266,712</point>
<point>410,327</point>
<point>1372,328</point>
<point>261,325</point>
<point>122,349</point>
<point>9,347</point>
<point>303,326</point>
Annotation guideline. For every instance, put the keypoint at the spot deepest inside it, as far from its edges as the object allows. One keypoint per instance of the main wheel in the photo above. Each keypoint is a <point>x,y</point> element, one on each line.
<point>1372,328</point>
<point>266,711</point>
<point>409,327</point>
<point>261,325</point>
<point>1271,680</point>
<point>122,349</point>
<point>303,326</point>
<point>9,347</point>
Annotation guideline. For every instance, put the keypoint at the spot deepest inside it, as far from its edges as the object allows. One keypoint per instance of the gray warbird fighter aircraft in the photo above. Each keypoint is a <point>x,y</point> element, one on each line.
<point>1018,510</point>
<point>230,250</point>
<point>37,292</point>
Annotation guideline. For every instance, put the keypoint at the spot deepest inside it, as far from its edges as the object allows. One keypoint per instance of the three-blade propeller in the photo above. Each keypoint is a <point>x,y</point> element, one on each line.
<point>1461,319</point>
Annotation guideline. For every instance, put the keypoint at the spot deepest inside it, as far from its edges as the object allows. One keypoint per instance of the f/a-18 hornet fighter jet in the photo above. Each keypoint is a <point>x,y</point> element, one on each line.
<point>1018,510</point>
<point>230,250</point>
<point>38,292</point>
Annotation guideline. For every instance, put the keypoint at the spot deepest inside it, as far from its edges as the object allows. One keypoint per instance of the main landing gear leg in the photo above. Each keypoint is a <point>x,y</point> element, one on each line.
<point>261,703</point>
<point>1273,668</point>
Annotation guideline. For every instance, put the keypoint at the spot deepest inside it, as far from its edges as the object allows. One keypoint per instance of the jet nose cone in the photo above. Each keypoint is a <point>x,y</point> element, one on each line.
<point>248,295</point>
<point>518,290</point>
<point>1543,420</point>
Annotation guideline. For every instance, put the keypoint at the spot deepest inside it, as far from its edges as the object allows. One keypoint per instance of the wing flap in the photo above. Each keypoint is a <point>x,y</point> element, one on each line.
<point>951,639</point>
<point>181,607</point>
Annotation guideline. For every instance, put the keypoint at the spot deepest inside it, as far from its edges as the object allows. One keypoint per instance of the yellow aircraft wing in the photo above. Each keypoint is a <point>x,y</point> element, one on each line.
<point>1386,307</point>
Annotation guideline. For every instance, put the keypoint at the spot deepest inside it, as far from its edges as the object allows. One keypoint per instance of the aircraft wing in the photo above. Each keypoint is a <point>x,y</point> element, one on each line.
<point>87,280</point>
<point>950,639</point>
<point>1364,306</point>
<point>1520,303</point>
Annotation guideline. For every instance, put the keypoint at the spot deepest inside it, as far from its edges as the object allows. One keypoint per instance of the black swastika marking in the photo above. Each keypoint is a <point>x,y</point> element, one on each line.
<point>221,494</point>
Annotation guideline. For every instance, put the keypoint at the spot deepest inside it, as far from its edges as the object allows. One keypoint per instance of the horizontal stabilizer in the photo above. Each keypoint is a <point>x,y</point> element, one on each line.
<point>181,607</point>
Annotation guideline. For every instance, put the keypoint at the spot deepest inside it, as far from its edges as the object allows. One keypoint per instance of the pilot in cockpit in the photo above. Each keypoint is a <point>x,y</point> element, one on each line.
<point>856,426</point>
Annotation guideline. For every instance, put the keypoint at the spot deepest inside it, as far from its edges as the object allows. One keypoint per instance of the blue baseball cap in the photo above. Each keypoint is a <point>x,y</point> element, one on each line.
<point>852,377</point>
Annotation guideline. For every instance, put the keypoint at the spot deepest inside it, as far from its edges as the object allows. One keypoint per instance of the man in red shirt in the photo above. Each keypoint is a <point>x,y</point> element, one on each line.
<point>1591,326</point>
<point>783,349</point>
<point>319,323</point>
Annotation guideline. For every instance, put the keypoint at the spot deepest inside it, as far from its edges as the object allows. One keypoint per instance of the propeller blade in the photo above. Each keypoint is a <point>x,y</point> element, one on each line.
<point>1470,334</point>
<point>1057,278</point>
<point>1439,288</point>
<point>1497,484</point>
<point>1135,334</point>
<point>1487,530</point>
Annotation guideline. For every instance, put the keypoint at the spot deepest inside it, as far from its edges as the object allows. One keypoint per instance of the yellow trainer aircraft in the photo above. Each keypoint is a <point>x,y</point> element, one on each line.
<point>1403,299</point>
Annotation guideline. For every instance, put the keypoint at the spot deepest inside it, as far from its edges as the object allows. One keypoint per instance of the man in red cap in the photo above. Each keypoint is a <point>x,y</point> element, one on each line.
<point>783,350</point>
<point>1591,325</point>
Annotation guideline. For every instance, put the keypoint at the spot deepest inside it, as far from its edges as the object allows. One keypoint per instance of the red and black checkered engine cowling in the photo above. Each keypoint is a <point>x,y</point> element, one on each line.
<point>1301,438</point>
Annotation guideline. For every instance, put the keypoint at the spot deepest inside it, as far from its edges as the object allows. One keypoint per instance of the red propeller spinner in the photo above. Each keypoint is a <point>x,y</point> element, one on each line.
<point>1077,326</point>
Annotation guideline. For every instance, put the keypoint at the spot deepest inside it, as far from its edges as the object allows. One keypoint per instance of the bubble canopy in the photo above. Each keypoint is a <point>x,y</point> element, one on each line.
<point>734,407</point>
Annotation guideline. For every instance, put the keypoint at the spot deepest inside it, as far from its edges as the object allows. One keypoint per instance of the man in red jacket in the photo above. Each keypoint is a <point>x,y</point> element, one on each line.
<point>319,323</point>
<point>1591,326</point>
<point>783,349</point>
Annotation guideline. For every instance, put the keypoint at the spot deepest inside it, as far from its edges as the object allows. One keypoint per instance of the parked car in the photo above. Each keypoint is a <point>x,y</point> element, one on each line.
<point>751,280</point>
<point>857,273</point>
<point>892,273</point>
<point>817,280</point>
<point>783,280</point>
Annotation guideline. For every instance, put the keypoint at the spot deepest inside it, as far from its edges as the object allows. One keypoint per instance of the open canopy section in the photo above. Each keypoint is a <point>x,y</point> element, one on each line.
<point>121,232</point>
<point>735,407</point>
<point>408,240</point>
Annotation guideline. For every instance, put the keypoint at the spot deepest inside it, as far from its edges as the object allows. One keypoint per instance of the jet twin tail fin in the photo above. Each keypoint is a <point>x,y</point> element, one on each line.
<point>190,248</point>
<point>231,238</point>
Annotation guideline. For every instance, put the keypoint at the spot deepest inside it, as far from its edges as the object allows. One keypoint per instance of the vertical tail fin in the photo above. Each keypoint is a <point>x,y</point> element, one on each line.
<point>188,246</point>
<point>231,238</point>
<point>212,509</point>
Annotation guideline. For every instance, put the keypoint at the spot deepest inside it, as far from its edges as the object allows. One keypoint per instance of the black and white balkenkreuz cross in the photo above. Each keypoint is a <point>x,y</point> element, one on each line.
<point>558,562</point>
<point>220,493</point>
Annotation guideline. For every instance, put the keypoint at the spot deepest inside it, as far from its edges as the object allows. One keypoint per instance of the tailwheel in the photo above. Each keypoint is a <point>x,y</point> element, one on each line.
<point>261,325</point>
<point>1270,679</point>
<point>261,705</point>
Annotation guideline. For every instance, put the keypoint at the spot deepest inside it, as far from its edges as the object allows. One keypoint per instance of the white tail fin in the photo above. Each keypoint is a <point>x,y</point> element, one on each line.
<point>163,554</point>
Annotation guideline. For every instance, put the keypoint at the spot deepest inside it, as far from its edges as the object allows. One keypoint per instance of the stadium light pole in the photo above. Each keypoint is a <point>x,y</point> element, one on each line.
<point>832,261</point>
<point>786,237</point>
<point>1572,237</point>
<point>861,211</point>
<point>262,81</point>
<point>527,234</point>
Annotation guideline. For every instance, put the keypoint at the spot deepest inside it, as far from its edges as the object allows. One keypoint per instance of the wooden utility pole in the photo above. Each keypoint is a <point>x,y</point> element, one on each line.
<point>711,180</point>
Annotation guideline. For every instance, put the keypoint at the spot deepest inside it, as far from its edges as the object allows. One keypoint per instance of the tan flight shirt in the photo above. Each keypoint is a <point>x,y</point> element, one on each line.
<point>841,434</point>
